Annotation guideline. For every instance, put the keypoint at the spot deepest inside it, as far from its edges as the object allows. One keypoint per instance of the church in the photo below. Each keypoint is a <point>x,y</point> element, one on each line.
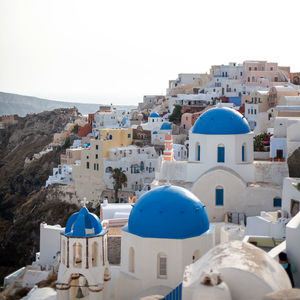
<point>168,229</point>
<point>221,169</point>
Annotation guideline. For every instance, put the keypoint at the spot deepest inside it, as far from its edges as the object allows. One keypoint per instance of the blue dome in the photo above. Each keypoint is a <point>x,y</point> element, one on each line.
<point>221,120</point>
<point>166,126</point>
<point>154,115</point>
<point>83,224</point>
<point>168,212</point>
<point>154,132</point>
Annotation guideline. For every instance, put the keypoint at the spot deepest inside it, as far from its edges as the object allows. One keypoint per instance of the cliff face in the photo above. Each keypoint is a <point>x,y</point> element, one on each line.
<point>23,201</point>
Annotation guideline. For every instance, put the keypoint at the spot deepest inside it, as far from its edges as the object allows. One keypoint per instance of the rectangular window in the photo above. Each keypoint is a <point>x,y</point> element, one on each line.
<point>163,267</point>
<point>87,165</point>
<point>97,167</point>
<point>219,197</point>
<point>277,202</point>
<point>221,154</point>
<point>243,153</point>
<point>129,135</point>
<point>198,155</point>
<point>96,156</point>
<point>96,147</point>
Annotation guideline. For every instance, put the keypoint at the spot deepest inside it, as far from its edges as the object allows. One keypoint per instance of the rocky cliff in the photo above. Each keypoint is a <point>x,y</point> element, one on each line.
<point>23,201</point>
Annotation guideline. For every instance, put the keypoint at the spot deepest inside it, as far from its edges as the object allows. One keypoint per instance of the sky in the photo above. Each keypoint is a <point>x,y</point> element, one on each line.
<point>116,51</point>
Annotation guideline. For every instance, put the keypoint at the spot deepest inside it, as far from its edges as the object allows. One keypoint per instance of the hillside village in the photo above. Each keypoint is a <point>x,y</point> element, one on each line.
<point>171,195</point>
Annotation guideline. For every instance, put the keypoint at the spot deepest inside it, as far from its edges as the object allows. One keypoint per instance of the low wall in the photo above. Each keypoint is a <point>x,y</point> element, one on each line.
<point>261,155</point>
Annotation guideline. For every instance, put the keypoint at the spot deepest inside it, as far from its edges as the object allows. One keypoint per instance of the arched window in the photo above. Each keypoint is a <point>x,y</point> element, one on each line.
<point>95,254</point>
<point>162,266</point>
<point>77,255</point>
<point>131,260</point>
<point>198,152</point>
<point>196,255</point>
<point>221,153</point>
<point>63,252</point>
<point>219,196</point>
<point>244,152</point>
<point>108,170</point>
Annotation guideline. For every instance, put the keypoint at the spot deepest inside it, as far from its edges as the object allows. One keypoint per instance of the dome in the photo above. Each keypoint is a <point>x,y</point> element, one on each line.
<point>168,212</point>
<point>166,126</point>
<point>83,224</point>
<point>221,120</point>
<point>154,115</point>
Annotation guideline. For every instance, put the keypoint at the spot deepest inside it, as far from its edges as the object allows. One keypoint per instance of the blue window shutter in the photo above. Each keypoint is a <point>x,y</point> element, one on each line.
<point>243,153</point>
<point>221,154</point>
<point>219,197</point>
<point>199,149</point>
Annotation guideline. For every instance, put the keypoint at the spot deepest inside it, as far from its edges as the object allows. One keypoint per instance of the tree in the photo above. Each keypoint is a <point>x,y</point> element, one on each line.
<point>120,179</point>
<point>176,115</point>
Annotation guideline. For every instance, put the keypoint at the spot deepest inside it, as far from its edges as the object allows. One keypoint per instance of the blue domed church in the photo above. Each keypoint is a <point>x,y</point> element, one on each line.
<point>168,228</point>
<point>221,169</point>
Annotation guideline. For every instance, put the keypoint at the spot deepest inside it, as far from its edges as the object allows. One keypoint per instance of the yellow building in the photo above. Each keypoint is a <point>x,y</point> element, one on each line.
<point>87,177</point>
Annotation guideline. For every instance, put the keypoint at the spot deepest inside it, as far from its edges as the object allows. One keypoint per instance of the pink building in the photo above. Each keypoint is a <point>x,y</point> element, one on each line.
<point>262,73</point>
<point>188,119</point>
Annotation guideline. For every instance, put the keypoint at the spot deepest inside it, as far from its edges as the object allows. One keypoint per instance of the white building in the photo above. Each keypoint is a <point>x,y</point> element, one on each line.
<point>221,169</point>
<point>191,100</point>
<point>234,271</point>
<point>286,138</point>
<point>139,165</point>
<point>168,228</point>
<point>180,152</point>
<point>154,122</point>
<point>158,136</point>
<point>61,175</point>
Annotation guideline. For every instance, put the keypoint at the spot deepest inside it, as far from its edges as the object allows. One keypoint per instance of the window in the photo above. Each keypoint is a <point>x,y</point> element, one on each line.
<point>131,260</point>
<point>271,68</point>
<point>108,170</point>
<point>255,111</point>
<point>87,165</point>
<point>96,147</point>
<point>277,202</point>
<point>129,135</point>
<point>77,255</point>
<point>87,157</point>
<point>248,79</point>
<point>110,137</point>
<point>198,152</point>
<point>244,152</point>
<point>255,68</point>
<point>162,266</point>
<point>253,79</point>
<point>96,156</point>
<point>95,254</point>
<point>196,255</point>
<point>219,196</point>
<point>221,153</point>
<point>249,68</point>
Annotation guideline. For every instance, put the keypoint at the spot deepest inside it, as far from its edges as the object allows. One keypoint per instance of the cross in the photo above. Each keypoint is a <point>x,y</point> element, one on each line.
<point>84,202</point>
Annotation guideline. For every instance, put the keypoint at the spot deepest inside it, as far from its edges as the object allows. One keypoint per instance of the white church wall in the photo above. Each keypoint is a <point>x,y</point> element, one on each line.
<point>49,243</point>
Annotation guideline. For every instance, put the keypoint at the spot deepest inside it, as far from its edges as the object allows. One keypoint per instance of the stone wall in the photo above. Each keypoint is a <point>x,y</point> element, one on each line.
<point>114,249</point>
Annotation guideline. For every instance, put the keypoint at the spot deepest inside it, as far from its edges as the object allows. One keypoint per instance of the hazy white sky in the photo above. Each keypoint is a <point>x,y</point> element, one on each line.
<point>117,51</point>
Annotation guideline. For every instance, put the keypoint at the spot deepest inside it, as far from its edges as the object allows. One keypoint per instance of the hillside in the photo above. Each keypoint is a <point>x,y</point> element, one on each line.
<point>22,105</point>
<point>23,201</point>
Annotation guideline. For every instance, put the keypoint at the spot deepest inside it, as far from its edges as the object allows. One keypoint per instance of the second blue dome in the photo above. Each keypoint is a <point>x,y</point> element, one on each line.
<point>221,120</point>
<point>169,212</point>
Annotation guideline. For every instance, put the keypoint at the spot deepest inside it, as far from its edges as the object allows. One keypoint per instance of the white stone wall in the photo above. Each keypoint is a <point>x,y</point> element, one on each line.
<point>49,244</point>
<point>179,254</point>
<point>290,192</point>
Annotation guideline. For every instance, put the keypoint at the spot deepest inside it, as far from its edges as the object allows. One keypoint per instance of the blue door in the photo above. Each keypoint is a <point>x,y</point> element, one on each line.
<point>221,154</point>
<point>198,153</point>
<point>219,197</point>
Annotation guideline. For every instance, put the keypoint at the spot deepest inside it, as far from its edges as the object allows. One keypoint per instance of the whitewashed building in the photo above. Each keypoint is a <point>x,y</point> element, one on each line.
<point>139,165</point>
<point>61,175</point>
<point>221,167</point>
